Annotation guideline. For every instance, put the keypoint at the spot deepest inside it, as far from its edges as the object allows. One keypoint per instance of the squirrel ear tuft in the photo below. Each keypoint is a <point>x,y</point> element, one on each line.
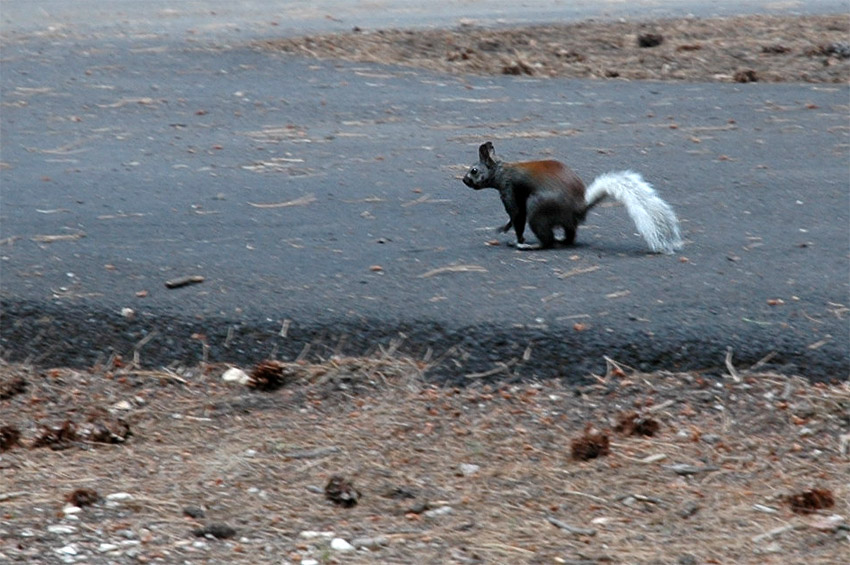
<point>486,153</point>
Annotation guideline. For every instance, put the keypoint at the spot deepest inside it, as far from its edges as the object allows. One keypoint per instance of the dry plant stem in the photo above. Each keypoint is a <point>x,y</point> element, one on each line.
<point>568,528</point>
<point>730,367</point>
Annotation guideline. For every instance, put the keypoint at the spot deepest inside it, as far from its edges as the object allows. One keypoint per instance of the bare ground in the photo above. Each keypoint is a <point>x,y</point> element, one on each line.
<point>742,49</point>
<point>745,469</point>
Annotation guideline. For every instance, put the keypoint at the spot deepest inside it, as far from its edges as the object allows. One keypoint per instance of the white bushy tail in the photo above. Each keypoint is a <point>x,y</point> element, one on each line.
<point>654,218</point>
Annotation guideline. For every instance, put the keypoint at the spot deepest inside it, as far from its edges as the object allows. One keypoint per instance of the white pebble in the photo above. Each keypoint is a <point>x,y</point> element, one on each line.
<point>439,511</point>
<point>61,529</point>
<point>235,375</point>
<point>119,496</point>
<point>312,534</point>
<point>309,562</point>
<point>70,549</point>
<point>104,547</point>
<point>339,544</point>
<point>469,469</point>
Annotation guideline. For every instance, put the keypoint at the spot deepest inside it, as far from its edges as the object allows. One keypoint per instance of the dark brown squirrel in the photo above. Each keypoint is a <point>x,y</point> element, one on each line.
<point>551,197</point>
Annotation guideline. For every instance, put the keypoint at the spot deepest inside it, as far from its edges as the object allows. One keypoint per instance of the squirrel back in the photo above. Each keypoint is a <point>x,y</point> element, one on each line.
<point>551,198</point>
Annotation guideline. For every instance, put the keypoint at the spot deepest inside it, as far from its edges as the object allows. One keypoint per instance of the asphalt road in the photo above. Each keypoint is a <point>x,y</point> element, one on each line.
<point>321,202</point>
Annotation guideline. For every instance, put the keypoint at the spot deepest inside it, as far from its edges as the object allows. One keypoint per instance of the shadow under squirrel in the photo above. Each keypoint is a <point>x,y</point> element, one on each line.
<point>551,197</point>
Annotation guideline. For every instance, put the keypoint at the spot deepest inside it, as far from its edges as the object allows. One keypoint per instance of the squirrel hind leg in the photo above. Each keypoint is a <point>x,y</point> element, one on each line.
<point>565,235</point>
<point>551,232</point>
<point>544,228</point>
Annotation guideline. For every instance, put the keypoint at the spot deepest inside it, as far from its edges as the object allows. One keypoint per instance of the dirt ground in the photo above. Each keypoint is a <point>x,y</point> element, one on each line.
<point>628,468</point>
<point>361,460</point>
<point>742,49</point>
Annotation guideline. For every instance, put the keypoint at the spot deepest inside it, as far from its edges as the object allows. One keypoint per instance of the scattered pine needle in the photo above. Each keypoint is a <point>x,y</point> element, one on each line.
<point>302,201</point>
<point>578,271</point>
<point>53,238</point>
<point>454,269</point>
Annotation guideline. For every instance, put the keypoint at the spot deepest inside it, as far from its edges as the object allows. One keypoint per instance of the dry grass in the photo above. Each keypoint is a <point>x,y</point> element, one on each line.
<point>740,49</point>
<point>714,483</point>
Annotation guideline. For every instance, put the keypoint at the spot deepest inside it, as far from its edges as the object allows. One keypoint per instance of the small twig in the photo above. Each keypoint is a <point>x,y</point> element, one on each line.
<point>507,547</point>
<point>654,458</point>
<point>578,271</point>
<point>500,368</point>
<point>184,281</point>
<point>453,269</point>
<point>303,355</point>
<point>660,407</point>
<point>284,327</point>
<point>786,392</point>
<point>618,367</point>
<point>584,494</point>
<point>164,374</point>
<point>302,201</point>
<point>422,200</point>
<point>686,469</point>
<point>142,342</point>
<point>313,453</point>
<point>571,529</point>
<point>730,367</point>
<point>52,238</point>
<point>844,444</point>
<point>650,499</point>
<point>395,343</point>
<point>772,533</point>
<point>763,360</point>
<point>640,497</point>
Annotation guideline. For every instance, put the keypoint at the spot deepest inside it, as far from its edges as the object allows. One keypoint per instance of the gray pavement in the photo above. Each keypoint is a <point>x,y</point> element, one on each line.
<point>321,203</point>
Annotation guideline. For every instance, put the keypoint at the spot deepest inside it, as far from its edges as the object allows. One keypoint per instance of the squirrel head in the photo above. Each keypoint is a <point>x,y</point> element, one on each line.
<point>483,174</point>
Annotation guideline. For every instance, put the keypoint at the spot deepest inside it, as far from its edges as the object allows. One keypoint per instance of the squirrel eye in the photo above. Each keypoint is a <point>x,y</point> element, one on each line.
<point>473,171</point>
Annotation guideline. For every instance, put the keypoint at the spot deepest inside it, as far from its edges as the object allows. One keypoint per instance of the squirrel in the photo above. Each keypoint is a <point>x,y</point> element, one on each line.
<point>550,195</point>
